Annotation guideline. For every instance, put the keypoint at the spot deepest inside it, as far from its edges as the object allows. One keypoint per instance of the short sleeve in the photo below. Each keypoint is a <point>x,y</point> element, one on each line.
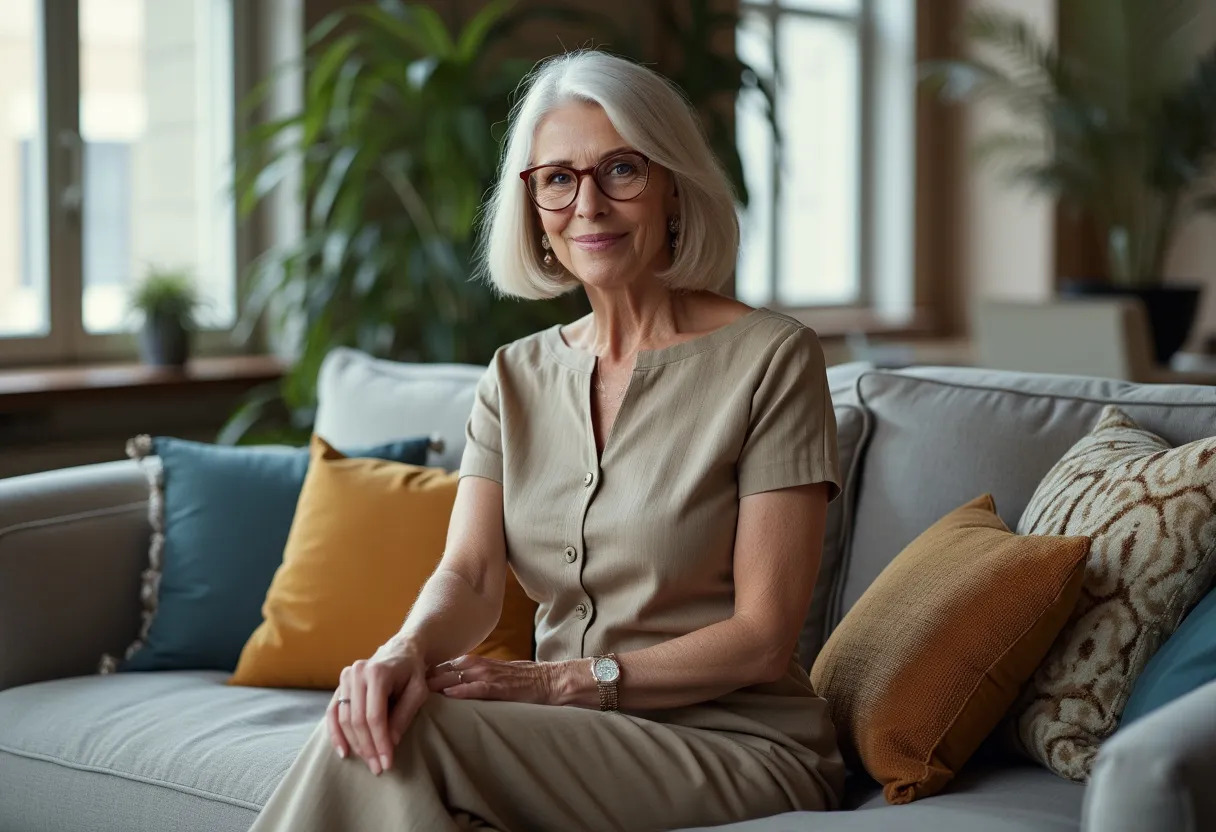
<point>791,433</point>
<point>483,431</point>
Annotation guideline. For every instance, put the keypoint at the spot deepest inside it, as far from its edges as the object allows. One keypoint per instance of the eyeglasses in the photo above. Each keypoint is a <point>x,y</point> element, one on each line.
<point>621,177</point>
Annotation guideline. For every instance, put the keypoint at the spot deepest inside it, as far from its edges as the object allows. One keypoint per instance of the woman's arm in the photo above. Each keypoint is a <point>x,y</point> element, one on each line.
<point>460,603</point>
<point>778,544</point>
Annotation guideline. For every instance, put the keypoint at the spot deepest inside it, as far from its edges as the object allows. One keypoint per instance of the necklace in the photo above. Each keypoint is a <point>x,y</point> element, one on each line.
<point>604,393</point>
<point>599,385</point>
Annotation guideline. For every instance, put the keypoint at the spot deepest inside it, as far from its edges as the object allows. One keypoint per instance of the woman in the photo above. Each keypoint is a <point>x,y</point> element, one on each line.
<point>656,474</point>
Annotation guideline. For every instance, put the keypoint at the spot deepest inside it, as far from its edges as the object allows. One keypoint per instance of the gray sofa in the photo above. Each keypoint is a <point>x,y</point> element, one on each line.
<point>183,751</point>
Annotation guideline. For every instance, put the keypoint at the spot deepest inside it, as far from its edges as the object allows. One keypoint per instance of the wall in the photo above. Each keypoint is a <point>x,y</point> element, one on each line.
<point>1193,259</point>
<point>1007,235</point>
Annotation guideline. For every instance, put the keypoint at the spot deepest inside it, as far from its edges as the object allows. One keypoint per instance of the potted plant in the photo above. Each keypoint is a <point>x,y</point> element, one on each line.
<point>168,302</point>
<point>1119,125</point>
<point>397,140</point>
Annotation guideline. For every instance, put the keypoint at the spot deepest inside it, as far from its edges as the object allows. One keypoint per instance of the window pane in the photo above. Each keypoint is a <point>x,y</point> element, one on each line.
<point>818,211</point>
<point>23,286</point>
<point>156,117</point>
<point>753,132</point>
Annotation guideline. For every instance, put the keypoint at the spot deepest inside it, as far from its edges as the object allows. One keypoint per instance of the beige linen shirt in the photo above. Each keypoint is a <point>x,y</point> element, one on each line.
<point>632,549</point>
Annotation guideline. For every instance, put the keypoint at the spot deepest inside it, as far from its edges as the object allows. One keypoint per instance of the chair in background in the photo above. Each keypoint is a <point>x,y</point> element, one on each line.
<point>1107,337</point>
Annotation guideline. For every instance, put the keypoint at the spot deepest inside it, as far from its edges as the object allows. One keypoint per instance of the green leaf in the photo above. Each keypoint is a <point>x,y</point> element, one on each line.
<point>473,37</point>
<point>404,32</point>
<point>431,25</point>
<point>329,64</point>
<point>335,178</point>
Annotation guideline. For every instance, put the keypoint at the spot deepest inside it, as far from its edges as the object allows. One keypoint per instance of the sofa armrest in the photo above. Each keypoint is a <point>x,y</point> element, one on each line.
<point>73,543</point>
<point>1158,772</point>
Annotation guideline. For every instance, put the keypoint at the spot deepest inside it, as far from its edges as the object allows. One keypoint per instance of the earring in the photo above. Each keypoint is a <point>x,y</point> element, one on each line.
<point>673,225</point>
<point>544,243</point>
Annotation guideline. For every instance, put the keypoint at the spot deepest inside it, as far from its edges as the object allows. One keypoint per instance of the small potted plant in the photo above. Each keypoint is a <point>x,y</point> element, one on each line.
<point>168,302</point>
<point>1119,125</point>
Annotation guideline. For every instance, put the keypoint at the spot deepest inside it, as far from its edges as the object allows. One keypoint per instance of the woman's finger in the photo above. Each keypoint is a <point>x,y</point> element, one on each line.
<point>362,739</point>
<point>476,690</point>
<point>376,712</point>
<point>346,682</point>
<point>407,706</point>
<point>447,679</point>
<point>336,735</point>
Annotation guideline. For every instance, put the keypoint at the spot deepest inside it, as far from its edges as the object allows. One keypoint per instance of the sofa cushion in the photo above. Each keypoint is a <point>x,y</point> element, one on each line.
<point>1148,508</point>
<point>925,665</point>
<point>180,751</point>
<point>1185,662</point>
<point>366,536</point>
<point>220,516</point>
<point>1008,799</point>
<point>851,424</point>
<point>363,400</point>
<point>147,752</point>
<point>920,457</point>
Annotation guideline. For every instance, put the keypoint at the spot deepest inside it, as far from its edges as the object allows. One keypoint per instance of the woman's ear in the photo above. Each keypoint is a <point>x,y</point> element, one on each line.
<point>672,197</point>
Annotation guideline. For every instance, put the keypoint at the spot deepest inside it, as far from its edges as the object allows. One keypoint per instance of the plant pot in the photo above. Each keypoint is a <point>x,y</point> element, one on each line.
<point>164,342</point>
<point>1171,310</point>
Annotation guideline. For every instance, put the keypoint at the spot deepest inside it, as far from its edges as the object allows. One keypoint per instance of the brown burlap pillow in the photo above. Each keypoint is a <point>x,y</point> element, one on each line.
<point>928,661</point>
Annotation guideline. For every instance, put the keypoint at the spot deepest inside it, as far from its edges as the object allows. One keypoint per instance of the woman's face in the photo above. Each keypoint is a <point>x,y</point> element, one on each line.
<point>601,241</point>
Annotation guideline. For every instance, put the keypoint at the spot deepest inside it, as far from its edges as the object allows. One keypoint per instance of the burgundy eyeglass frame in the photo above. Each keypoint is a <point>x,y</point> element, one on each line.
<point>579,173</point>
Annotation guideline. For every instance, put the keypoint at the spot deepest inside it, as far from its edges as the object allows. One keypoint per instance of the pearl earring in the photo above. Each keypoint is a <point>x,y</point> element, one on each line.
<point>544,243</point>
<point>673,225</point>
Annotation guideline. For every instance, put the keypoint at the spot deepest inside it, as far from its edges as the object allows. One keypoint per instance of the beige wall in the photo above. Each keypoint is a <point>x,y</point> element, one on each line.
<point>1193,259</point>
<point>1007,236</point>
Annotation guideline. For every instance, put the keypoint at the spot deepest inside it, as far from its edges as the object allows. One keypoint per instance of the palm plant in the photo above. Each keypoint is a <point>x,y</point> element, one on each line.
<point>395,145</point>
<point>1121,125</point>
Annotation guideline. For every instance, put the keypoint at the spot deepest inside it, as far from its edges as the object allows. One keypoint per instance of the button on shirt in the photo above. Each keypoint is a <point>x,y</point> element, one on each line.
<point>645,532</point>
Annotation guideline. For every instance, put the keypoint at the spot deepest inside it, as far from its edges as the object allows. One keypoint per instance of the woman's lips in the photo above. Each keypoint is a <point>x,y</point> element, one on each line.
<point>597,242</point>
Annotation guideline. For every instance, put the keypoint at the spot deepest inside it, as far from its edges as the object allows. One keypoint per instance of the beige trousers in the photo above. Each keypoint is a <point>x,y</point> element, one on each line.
<point>517,767</point>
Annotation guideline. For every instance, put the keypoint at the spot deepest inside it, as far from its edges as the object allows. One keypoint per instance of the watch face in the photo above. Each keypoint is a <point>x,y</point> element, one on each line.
<point>606,670</point>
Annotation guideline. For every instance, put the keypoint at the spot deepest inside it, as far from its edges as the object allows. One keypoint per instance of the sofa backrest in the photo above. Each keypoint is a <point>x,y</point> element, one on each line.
<point>941,436</point>
<point>369,401</point>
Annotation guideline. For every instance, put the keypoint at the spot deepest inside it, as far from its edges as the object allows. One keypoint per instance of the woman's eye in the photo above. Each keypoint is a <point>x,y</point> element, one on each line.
<point>622,168</point>
<point>556,179</point>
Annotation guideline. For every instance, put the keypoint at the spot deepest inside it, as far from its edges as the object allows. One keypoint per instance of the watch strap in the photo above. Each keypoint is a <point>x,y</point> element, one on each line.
<point>609,691</point>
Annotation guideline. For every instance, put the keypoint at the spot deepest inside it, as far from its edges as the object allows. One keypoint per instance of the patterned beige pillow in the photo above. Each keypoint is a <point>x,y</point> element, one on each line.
<point>1149,509</point>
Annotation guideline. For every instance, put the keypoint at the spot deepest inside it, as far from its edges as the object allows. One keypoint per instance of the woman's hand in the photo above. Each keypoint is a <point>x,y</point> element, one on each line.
<point>385,693</point>
<point>476,677</point>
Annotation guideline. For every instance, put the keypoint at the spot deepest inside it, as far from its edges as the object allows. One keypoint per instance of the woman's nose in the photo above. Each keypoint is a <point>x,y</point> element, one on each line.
<point>590,201</point>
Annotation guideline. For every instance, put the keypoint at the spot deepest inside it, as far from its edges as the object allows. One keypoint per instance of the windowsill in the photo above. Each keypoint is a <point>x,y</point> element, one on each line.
<point>841,322</point>
<point>21,389</point>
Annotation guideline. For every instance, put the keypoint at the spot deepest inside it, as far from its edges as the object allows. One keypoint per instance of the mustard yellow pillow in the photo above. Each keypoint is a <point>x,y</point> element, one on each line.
<point>931,657</point>
<point>366,535</point>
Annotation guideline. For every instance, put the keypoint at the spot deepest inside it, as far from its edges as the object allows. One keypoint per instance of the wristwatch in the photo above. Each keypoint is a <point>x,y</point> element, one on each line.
<point>607,672</point>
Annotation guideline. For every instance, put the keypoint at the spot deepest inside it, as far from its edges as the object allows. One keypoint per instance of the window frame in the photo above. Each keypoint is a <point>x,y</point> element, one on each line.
<point>57,35</point>
<point>884,283</point>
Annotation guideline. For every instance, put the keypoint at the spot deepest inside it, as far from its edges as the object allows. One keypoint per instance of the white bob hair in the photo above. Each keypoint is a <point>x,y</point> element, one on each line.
<point>653,116</point>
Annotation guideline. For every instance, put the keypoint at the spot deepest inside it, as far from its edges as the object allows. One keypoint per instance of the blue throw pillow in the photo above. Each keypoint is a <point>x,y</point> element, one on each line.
<point>227,511</point>
<point>1186,661</point>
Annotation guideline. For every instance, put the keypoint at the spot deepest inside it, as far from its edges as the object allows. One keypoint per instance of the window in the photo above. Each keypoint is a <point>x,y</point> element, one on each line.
<point>829,222</point>
<point>116,130</point>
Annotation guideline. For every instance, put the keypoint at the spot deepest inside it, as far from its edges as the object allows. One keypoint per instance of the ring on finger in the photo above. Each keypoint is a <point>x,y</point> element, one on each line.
<point>343,701</point>
<point>460,676</point>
